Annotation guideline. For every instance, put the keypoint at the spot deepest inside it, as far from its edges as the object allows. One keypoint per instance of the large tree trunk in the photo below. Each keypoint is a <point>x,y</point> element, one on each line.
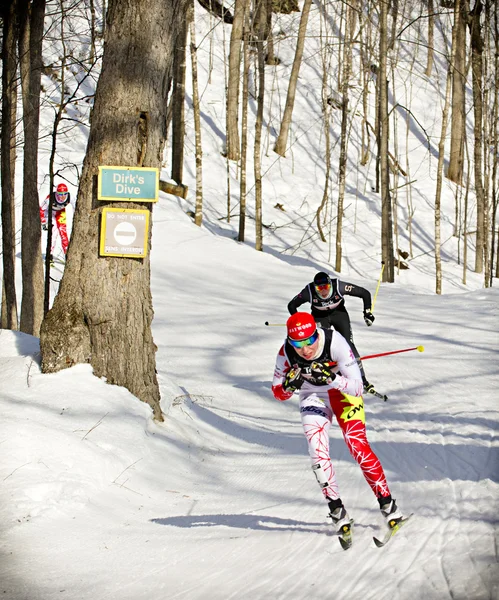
<point>30,52</point>
<point>8,151</point>
<point>103,312</point>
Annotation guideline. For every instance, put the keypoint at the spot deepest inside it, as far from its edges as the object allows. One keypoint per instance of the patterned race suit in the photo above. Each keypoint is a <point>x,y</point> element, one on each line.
<point>60,218</point>
<point>318,402</point>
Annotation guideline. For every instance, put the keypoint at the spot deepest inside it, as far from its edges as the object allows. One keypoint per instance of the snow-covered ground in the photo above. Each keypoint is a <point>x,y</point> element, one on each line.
<point>219,502</point>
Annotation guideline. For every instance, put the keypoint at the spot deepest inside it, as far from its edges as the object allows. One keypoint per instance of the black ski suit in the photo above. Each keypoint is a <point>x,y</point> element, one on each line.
<point>332,311</point>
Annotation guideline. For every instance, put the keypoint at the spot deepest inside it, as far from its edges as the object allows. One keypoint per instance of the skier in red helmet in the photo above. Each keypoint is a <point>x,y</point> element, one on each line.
<point>320,365</point>
<point>60,200</point>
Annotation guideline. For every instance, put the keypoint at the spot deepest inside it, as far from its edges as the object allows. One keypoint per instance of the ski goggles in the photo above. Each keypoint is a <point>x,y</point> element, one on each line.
<point>61,196</point>
<point>323,287</point>
<point>302,343</point>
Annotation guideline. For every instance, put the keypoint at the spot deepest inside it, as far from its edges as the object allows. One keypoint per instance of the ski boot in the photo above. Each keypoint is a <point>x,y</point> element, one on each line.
<point>390,511</point>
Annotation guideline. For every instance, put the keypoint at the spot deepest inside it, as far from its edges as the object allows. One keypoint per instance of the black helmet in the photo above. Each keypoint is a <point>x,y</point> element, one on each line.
<point>323,285</point>
<point>322,279</point>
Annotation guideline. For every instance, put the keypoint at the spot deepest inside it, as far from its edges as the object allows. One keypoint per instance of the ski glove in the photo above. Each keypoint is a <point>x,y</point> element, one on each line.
<point>321,374</point>
<point>293,380</point>
<point>45,227</point>
<point>368,317</point>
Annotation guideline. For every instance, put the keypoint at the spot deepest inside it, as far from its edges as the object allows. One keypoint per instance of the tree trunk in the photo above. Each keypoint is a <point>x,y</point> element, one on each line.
<point>431,39</point>
<point>477,71</point>
<point>244,127</point>
<point>8,166</point>
<point>282,140</point>
<point>458,115</point>
<point>386,206</point>
<point>198,215</point>
<point>342,168</point>
<point>178,103</point>
<point>102,314</point>
<point>440,167</point>
<point>233,83</point>
<point>30,51</point>
<point>258,127</point>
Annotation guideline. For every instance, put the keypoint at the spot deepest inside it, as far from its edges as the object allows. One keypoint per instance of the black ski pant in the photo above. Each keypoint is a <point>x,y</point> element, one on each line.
<point>340,321</point>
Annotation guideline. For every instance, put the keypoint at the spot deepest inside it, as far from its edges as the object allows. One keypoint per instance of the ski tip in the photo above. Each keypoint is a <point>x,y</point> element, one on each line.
<point>378,543</point>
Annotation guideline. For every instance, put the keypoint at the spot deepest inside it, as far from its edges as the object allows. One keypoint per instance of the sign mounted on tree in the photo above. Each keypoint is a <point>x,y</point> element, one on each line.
<point>128,184</point>
<point>124,232</point>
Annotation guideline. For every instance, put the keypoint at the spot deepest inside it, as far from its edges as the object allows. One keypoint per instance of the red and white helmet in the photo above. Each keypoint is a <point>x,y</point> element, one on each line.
<point>61,196</point>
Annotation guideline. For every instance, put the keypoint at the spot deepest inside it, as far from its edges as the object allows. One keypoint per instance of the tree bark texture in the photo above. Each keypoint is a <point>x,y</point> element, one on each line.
<point>8,163</point>
<point>31,21</point>
<point>103,312</point>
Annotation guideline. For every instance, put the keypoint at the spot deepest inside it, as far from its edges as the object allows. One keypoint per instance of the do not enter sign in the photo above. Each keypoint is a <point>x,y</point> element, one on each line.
<point>124,232</point>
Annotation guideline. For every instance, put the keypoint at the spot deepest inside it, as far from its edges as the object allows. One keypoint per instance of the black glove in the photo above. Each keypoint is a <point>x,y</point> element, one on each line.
<point>321,374</point>
<point>293,380</point>
<point>45,227</point>
<point>368,317</point>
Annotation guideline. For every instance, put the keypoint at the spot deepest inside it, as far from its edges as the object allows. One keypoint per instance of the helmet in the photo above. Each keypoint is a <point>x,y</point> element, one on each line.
<point>302,330</point>
<point>323,285</point>
<point>322,279</point>
<point>61,196</point>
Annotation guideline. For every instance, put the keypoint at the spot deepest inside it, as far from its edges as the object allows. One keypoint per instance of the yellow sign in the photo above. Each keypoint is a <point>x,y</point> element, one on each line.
<point>124,232</point>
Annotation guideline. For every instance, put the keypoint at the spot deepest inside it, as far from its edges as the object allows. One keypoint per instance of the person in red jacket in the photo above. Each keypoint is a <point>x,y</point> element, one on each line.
<point>60,200</point>
<point>321,366</point>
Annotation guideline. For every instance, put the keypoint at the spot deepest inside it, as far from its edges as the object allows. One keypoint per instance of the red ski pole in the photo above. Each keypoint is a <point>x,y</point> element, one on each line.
<point>418,348</point>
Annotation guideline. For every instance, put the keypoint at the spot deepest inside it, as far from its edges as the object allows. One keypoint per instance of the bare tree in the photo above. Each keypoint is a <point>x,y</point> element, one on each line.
<point>282,140</point>
<point>30,52</point>
<point>178,102</point>
<point>441,156</point>
<point>198,215</point>
<point>342,169</point>
<point>244,125</point>
<point>8,165</point>
<point>458,115</point>
<point>431,39</point>
<point>477,76</point>
<point>386,205</point>
<point>102,314</point>
<point>233,80</point>
<point>261,20</point>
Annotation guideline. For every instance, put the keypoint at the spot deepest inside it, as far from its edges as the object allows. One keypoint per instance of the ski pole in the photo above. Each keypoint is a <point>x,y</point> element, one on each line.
<point>275,324</point>
<point>418,348</point>
<point>377,288</point>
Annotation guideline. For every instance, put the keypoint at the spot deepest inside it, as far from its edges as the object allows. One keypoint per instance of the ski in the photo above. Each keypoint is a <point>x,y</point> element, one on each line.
<point>372,391</point>
<point>345,535</point>
<point>393,529</point>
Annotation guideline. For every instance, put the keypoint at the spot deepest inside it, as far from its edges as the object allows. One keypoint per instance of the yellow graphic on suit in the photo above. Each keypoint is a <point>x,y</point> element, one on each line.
<point>61,216</point>
<point>355,409</point>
